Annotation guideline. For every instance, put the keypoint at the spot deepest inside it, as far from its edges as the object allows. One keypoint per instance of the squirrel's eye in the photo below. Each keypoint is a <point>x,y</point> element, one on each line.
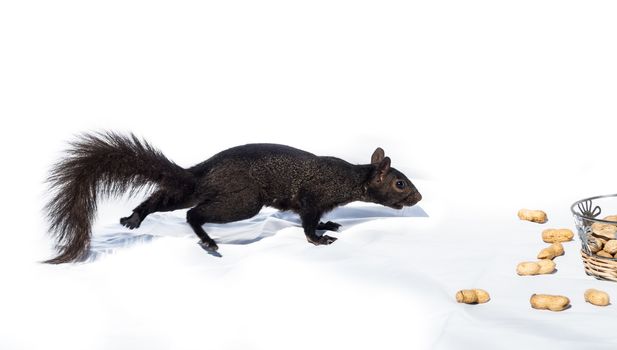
<point>400,184</point>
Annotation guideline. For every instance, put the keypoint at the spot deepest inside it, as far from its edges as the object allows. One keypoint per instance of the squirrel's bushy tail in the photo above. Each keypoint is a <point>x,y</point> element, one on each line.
<point>101,164</point>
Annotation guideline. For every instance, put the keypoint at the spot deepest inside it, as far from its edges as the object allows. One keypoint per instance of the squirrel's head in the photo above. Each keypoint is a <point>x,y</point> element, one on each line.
<point>388,186</point>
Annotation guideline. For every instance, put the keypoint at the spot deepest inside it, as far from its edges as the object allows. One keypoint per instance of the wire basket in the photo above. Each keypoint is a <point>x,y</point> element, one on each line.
<point>595,232</point>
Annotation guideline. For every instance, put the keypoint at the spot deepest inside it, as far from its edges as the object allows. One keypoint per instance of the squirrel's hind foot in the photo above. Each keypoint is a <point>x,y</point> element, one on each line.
<point>211,247</point>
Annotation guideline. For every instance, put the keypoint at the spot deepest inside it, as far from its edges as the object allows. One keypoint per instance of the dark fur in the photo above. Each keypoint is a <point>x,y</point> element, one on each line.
<point>232,185</point>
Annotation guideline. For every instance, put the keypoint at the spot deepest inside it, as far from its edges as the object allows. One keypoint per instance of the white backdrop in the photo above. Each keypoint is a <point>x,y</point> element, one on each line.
<point>491,106</point>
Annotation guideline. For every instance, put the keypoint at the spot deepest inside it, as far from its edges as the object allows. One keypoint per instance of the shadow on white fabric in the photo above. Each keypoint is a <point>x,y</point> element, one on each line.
<point>267,223</point>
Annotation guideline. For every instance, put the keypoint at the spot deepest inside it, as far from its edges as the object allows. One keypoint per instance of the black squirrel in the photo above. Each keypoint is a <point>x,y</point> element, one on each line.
<point>232,185</point>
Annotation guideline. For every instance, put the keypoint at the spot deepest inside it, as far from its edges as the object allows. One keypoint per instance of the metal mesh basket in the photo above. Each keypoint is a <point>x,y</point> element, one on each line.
<point>591,230</point>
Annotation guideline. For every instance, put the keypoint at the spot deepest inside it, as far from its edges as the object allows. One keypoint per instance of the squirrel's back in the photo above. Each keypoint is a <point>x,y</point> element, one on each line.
<point>250,154</point>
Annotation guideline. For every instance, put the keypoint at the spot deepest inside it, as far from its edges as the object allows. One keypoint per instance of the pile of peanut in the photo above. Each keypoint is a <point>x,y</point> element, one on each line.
<point>603,239</point>
<point>603,243</point>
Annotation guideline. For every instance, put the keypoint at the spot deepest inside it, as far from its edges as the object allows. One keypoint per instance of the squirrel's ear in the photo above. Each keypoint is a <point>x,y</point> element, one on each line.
<point>377,156</point>
<point>382,169</point>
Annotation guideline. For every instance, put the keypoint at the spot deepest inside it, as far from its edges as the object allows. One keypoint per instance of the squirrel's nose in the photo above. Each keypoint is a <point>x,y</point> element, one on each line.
<point>413,199</point>
<point>417,196</point>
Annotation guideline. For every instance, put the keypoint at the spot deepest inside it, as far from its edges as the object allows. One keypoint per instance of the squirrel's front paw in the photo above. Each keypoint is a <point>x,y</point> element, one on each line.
<point>132,221</point>
<point>321,240</point>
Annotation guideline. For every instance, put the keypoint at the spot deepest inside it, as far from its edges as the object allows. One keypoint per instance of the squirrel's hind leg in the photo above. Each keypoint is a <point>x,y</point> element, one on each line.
<point>227,207</point>
<point>161,200</point>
